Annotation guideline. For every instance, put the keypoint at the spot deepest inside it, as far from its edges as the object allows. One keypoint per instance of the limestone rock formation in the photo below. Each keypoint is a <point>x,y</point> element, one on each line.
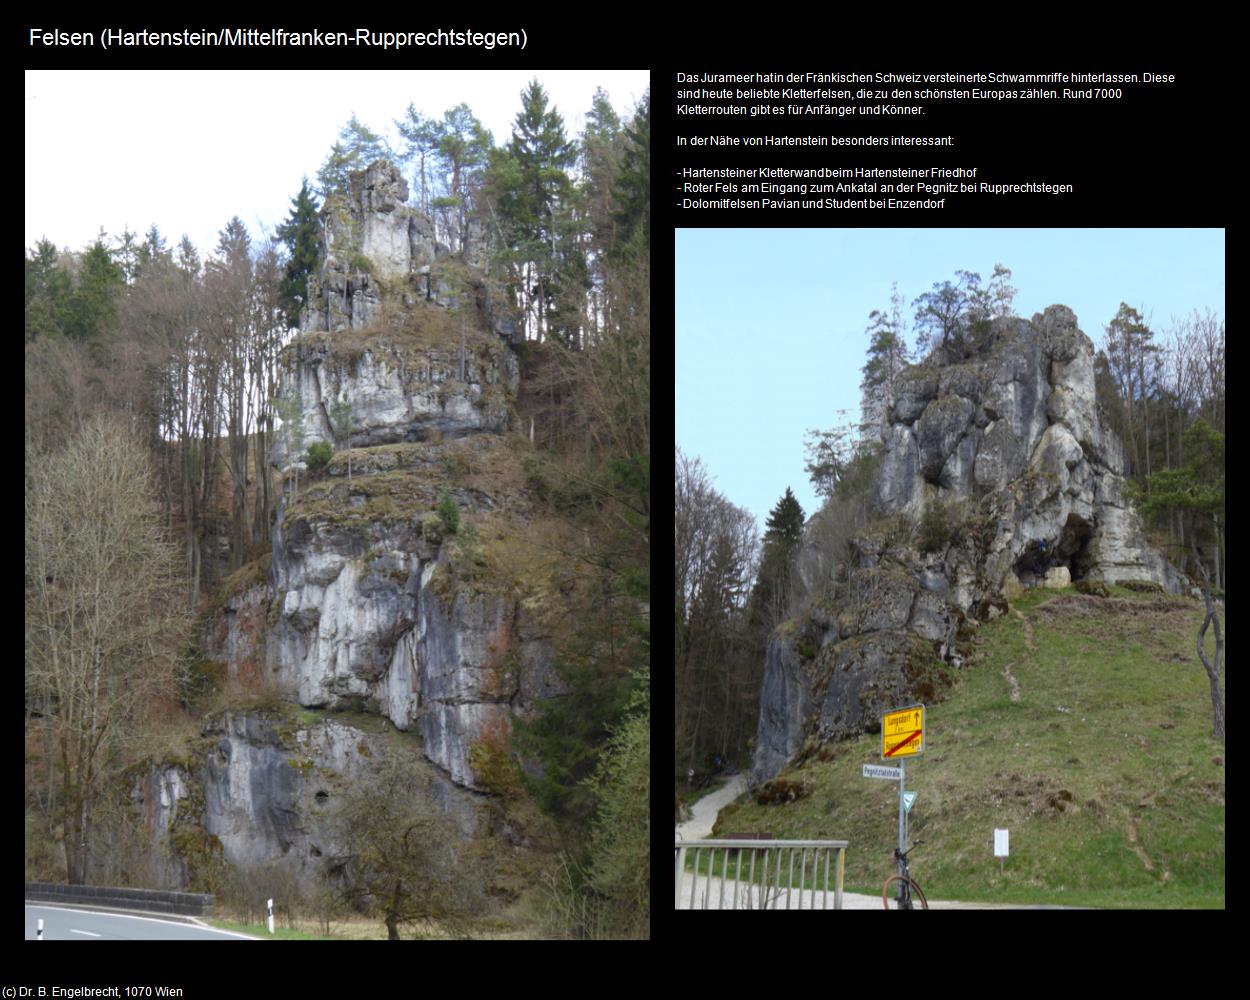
<point>375,247</point>
<point>366,611</point>
<point>985,458</point>
<point>379,601</point>
<point>402,386</point>
<point>369,238</point>
<point>260,790</point>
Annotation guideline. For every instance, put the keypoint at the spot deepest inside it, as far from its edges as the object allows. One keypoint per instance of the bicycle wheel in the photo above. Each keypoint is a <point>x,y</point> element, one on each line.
<point>912,887</point>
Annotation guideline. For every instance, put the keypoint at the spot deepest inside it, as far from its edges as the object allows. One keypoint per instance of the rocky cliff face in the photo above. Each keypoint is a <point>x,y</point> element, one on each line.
<point>260,789</point>
<point>375,605</point>
<point>983,459</point>
<point>370,608</point>
<point>374,248</point>
<point>417,382</point>
<point>399,341</point>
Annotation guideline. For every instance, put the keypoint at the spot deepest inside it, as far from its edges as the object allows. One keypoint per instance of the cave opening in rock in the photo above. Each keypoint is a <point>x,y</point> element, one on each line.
<point>1070,549</point>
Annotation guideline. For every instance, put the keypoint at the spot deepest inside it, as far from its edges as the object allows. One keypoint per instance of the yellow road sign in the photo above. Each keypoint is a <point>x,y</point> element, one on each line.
<point>902,732</point>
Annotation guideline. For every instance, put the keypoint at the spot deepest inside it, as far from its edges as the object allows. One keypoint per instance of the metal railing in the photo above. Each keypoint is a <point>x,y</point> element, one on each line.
<point>718,881</point>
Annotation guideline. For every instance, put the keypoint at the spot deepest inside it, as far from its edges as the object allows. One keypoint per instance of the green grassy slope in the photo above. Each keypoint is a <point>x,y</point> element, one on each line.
<point>1104,770</point>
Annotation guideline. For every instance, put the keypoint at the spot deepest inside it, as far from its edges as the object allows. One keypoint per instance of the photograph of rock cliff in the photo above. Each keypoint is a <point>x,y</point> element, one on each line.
<point>337,511</point>
<point>983,471</point>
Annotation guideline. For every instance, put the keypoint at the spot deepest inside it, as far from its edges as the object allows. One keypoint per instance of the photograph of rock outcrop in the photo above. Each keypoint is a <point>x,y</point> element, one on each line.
<point>337,523</point>
<point>995,493</point>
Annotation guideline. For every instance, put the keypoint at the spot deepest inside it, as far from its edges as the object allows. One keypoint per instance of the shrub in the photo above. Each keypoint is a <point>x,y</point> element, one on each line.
<point>935,528</point>
<point>318,456</point>
<point>779,791</point>
<point>1094,587</point>
<point>450,513</point>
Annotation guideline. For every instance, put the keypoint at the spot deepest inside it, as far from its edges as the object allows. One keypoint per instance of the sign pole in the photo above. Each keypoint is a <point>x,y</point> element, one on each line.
<point>902,813</point>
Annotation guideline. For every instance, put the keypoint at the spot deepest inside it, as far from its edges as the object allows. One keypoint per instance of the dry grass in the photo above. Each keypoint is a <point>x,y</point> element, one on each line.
<point>515,925</point>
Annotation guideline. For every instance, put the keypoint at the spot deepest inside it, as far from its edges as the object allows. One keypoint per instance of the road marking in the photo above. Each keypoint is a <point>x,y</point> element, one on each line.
<point>41,904</point>
<point>88,933</point>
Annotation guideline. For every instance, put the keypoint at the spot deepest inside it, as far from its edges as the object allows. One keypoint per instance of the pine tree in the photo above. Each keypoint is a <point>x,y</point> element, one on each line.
<point>1129,346</point>
<point>358,146</point>
<point>301,232</point>
<point>532,194</point>
<point>421,135</point>
<point>828,454</point>
<point>332,174</point>
<point>463,145</point>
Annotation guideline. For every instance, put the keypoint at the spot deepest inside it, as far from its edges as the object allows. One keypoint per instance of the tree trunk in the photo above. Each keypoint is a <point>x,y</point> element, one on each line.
<point>1213,672</point>
<point>392,913</point>
<point>1219,546</point>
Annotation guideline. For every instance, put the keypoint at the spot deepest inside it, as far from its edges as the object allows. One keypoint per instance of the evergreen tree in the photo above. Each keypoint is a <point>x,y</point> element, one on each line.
<point>1196,491</point>
<point>634,184</point>
<point>126,254</point>
<point>887,356</point>
<point>188,258</point>
<point>357,147</point>
<point>301,233</point>
<point>420,134</point>
<point>770,600</point>
<point>601,153</point>
<point>152,252</point>
<point>1130,350</point>
<point>828,454</point>
<point>785,521</point>
<point>92,305</point>
<point>48,288</point>
<point>332,174</point>
<point>532,193</point>
<point>463,146</point>
<point>362,142</point>
<point>939,317</point>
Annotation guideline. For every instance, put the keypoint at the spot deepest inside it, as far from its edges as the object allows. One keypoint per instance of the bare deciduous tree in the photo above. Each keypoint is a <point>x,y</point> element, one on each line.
<point>404,858</point>
<point>100,622</point>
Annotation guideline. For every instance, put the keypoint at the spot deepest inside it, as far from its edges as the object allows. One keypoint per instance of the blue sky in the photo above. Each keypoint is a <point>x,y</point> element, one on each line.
<point>770,323</point>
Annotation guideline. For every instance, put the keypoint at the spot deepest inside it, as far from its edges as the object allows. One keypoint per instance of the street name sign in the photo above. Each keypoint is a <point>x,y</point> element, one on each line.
<point>902,732</point>
<point>877,771</point>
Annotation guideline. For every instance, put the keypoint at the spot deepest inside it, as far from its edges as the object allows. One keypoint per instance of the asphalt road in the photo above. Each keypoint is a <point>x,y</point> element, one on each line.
<point>62,924</point>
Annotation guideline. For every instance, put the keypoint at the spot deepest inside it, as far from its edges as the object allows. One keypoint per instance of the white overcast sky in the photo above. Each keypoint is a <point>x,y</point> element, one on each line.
<point>188,150</point>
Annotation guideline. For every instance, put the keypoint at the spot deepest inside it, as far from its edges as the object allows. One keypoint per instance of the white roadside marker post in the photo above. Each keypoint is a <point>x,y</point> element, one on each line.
<point>39,932</point>
<point>269,905</point>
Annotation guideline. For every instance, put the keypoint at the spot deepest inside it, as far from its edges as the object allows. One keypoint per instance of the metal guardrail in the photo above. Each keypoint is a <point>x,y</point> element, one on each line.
<point>723,886</point>
<point>192,904</point>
